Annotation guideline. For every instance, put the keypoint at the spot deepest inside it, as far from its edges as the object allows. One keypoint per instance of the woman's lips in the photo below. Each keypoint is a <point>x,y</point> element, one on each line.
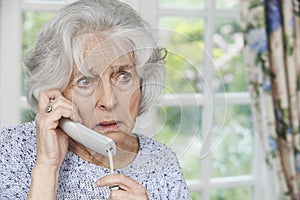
<point>108,126</point>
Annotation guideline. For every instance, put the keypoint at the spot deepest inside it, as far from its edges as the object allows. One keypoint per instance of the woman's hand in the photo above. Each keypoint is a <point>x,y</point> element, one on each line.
<point>51,142</point>
<point>128,188</point>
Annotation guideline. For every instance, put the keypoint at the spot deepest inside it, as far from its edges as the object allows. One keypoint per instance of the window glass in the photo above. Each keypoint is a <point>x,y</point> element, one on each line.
<point>183,38</point>
<point>27,115</point>
<point>232,194</point>
<point>179,128</point>
<point>225,4</point>
<point>195,195</point>
<point>228,56</point>
<point>52,1</point>
<point>182,3</point>
<point>31,24</point>
<point>232,155</point>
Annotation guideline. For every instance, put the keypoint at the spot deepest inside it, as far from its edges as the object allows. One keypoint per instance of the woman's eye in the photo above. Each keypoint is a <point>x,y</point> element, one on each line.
<point>86,85</point>
<point>85,82</point>
<point>123,77</point>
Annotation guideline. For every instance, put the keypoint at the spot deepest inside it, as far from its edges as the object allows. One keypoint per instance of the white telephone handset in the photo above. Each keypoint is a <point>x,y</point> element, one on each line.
<point>88,138</point>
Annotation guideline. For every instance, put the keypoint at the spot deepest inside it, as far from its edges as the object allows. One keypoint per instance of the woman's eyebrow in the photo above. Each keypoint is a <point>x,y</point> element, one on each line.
<point>92,71</point>
<point>122,67</point>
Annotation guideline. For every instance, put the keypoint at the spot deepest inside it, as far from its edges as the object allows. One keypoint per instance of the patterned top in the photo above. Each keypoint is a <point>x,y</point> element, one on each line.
<point>155,167</point>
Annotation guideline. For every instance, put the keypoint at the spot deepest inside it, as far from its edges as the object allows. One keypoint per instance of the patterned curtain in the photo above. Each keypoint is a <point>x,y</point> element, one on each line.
<point>272,56</point>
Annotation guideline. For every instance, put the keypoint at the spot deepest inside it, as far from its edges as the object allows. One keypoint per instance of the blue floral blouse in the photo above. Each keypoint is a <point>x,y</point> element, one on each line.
<point>155,167</point>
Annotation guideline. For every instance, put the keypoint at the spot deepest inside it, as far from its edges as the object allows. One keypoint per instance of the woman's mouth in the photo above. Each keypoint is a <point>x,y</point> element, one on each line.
<point>108,126</point>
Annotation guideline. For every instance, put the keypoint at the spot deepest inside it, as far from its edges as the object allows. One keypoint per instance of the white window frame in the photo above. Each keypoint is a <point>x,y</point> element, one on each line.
<point>10,59</point>
<point>206,184</point>
<point>10,84</point>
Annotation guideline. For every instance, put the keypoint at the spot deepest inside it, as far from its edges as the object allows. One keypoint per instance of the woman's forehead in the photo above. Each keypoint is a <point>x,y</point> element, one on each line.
<point>101,53</point>
<point>112,46</point>
<point>106,58</point>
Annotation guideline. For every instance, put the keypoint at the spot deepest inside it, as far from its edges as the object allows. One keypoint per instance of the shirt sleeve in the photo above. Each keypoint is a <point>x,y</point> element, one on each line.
<point>14,175</point>
<point>173,183</point>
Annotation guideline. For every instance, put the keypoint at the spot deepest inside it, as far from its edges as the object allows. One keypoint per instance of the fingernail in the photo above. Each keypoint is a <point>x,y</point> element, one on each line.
<point>78,119</point>
<point>97,183</point>
<point>94,184</point>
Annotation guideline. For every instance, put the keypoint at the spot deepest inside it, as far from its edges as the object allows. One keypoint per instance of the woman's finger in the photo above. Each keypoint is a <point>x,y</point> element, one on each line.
<point>52,103</point>
<point>119,195</point>
<point>124,182</point>
<point>62,107</point>
<point>127,188</point>
<point>45,97</point>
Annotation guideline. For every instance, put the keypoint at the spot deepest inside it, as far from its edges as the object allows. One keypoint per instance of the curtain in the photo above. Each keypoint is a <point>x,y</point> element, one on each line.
<point>272,57</point>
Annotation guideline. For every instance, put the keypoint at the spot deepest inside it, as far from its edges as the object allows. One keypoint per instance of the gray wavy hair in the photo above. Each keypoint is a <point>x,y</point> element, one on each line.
<point>59,45</point>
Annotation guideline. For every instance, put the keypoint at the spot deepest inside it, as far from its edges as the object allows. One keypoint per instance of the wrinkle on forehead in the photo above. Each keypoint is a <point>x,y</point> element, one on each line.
<point>111,48</point>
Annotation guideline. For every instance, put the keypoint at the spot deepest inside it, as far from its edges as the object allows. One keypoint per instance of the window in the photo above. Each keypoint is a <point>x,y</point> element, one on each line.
<point>205,116</point>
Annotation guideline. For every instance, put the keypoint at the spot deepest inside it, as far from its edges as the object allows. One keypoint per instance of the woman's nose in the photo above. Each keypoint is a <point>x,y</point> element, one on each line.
<point>106,97</point>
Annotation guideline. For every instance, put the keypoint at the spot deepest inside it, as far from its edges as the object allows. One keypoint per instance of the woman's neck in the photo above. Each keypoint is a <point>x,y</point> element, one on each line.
<point>126,152</point>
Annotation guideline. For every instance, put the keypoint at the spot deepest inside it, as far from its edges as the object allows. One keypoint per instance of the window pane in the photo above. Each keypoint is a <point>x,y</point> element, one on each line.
<point>228,56</point>
<point>27,115</point>
<point>225,4</point>
<point>52,1</point>
<point>244,193</point>
<point>195,195</point>
<point>183,38</point>
<point>182,3</point>
<point>179,128</point>
<point>232,155</point>
<point>31,25</point>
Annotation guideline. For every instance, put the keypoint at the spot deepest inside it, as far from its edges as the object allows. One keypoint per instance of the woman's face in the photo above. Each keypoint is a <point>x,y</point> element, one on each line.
<point>108,95</point>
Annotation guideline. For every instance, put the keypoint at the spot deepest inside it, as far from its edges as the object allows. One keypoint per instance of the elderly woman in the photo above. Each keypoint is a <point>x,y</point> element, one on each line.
<point>95,63</point>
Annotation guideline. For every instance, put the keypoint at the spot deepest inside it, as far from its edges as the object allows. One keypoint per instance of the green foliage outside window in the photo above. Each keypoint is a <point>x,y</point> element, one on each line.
<point>186,3</point>
<point>31,25</point>
<point>232,194</point>
<point>232,155</point>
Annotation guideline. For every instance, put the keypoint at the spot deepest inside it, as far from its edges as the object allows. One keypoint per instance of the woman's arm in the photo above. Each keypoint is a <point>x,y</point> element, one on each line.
<point>43,183</point>
<point>14,163</point>
<point>173,185</point>
<point>51,144</point>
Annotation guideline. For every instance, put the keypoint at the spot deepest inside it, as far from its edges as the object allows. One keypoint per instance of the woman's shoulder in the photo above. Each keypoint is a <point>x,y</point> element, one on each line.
<point>17,156</point>
<point>18,140</point>
<point>153,152</point>
<point>18,132</point>
<point>151,145</point>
